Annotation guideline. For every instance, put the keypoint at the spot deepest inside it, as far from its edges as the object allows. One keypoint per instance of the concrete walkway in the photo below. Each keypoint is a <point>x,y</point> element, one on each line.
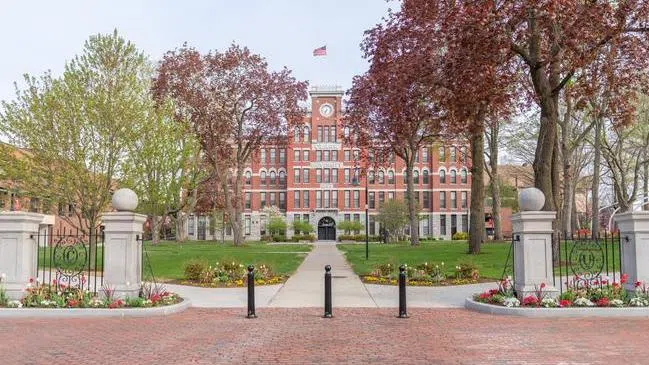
<point>305,288</point>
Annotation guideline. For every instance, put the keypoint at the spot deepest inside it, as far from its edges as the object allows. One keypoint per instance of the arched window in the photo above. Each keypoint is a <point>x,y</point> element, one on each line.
<point>463,154</point>
<point>463,176</point>
<point>248,177</point>
<point>453,177</point>
<point>381,177</point>
<point>425,177</point>
<point>370,177</point>
<point>307,134</point>
<point>415,177</point>
<point>296,134</point>
<point>263,178</point>
<point>442,176</point>
<point>273,178</point>
<point>390,177</point>
<point>282,178</point>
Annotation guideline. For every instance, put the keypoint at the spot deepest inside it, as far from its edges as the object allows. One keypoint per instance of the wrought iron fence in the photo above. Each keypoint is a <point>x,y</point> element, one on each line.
<point>71,259</point>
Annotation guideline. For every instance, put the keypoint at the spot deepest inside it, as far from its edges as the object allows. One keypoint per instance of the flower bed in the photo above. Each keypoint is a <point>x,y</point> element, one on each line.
<point>426,274</point>
<point>580,293</point>
<point>226,274</point>
<point>58,295</point>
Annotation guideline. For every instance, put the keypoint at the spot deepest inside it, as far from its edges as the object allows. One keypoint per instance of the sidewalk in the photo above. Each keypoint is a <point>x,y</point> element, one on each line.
<point>305,288</point>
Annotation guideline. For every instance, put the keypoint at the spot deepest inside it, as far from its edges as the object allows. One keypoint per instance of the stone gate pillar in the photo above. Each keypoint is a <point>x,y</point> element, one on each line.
<point>532,232</point>
<point>18,250</point>
<point>634,246</point>
<point>123,232</point>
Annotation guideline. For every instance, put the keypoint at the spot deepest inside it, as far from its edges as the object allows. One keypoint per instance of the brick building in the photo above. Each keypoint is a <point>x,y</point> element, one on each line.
<point>316,178</point>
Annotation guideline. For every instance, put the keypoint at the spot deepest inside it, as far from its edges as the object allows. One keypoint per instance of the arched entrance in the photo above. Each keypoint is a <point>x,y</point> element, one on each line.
<point>327,229</point>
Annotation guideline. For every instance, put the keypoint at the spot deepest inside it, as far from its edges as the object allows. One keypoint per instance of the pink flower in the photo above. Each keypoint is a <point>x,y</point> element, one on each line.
<point>603,302</point>
<point>624,278</point>
<point>542,285</point>
<point>530,300</point>
<point>565,303</point>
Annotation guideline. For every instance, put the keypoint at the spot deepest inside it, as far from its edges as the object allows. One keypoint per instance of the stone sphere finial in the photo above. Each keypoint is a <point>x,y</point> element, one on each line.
<point>124,200</point>
<point>531,199</point>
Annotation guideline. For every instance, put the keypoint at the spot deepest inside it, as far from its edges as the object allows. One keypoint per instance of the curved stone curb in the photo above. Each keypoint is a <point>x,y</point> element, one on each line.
<point>573,312</point>
<point>94,312</point>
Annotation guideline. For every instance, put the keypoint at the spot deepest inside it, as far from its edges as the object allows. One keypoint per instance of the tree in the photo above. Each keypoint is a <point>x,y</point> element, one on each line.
<point>78,127</point>
<point>393,215</point>
<point>235,105</point>
<point>492,135</point>
<point>303,227</point>
<point>350,226</point>
<point>276,225</point>
<point>162,165</point>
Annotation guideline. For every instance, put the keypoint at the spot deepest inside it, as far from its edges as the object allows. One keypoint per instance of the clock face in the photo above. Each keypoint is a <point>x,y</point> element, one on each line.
<point>326,110</point>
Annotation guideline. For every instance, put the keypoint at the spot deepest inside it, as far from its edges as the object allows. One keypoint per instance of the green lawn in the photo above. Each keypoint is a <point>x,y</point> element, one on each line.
<point>168,258</point>
<point>490,261</point>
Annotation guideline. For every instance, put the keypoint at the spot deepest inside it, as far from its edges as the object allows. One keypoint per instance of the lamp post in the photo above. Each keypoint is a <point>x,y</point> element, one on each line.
<point>367,212</point>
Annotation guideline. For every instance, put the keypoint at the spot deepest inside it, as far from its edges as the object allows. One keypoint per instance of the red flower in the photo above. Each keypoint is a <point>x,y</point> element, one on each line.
<point>72,303</point>
<point>624,278</point>
<point>542,285</point>
<point>31,280</point>
<point>637,284</point>
<point>603,302</point>
<point>485,295</point>
<point>565,303</point>
<point>530,300</point>
<point>493,291</point>
<point>155,298</point>
<point>615,285</point>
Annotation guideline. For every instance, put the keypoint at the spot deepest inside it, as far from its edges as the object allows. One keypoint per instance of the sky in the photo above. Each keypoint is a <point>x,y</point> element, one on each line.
<point>37,36</point>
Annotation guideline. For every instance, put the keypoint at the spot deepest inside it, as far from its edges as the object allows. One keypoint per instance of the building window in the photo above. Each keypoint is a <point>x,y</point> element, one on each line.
<point>372,227</point>
<point>190,225</point>
<point>296,134</point>
<point>442,154</point>
<point>453,177</point>
<point>305,200</point>
<point>296,218</point>
<point>296,198</point>
<point>424,154</point>
<point>282,200</point>
<point>262,157</point>
<point>248,225</point>
<point>305,156</point>
<point>326,199</point>
<point>357,218</point>
<point>442,199</point>
<point>463,154</point>
<point>296,155</point>
<point>248,200</point>
<point>34,204</point>
<point>272,156</point>
<point>326,133</point>
<point>70,209</point>
<point>417,156</point>
<point>334,155</point>
<point>381,198</point>
<point>425,177</point>
<point>332,133</point>
<point>346,176</point>
<point>334,198</point>
<point>318,199</point>
<point>334,176</point>
<point>305,176</point>
<point>453,153</point>
<point>307,134</point>
<point>390,177</point>
<point>463,176</point>
<point>347,155</point>
<point>371,200</point>
<point>442,176</point>
<point>248,177</point>
<point>262,198</point>
<point>453,224</point>
<point>370,177</point>
<point>357,155</point>
<point>296,176</point>
<point>318,175</point>
<point>415,177</point>
<point>465,223</point>
<point>390,195</point>
<point>305,217</point>
<point>262,225</point>
<point>463,199</point>
<point>273,178</point>
<point>272,199</point>
<point>381,179</point>
<point>326,155</point>
<point>453,200</point>
<point>318,155</point>
<point>426,226</point>
<point>405,177</point>
<point>357,200</point>
<point>442,225</point>
<point>282,178</point>
<point>357,174</point>
<point>320,133</point>
<point>346,198</point>
<point>327,175</point>
<point>263,178</point>
<point>426,199</point>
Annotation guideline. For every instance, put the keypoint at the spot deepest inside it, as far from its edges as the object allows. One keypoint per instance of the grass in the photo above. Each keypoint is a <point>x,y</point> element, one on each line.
<point>490,262</point>
<point>168,258</point>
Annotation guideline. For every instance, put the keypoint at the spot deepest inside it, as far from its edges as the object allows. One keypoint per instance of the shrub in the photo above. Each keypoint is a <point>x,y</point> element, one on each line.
<point>460,236</point>
<point>350,226</point>
<point>383,270</point>
<point>276,225</point>
<point>279,238</point>
<point>466,270</point>
<point>304,237</point>
<point>302,227</point>
<point>194,269</point>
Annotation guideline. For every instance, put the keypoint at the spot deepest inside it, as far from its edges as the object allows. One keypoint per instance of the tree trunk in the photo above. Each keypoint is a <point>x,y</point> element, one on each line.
<point>412,204</point>
<point>645,186</point>
<point>477,224</point>
<point>181,224</point>
<point>237,227</point>
<point>495,182</point>
<point>574,217</point>
<point>594,228</point>
<point>155,229</point>
<point>568,195</point>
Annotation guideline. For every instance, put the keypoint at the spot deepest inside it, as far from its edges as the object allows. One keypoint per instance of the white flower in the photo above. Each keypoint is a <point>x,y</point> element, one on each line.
<point>582,302</point>
<point>616,303</point>
<point>549,303</point>
<point>511,302</point>
<point>3,276</point>
<point>15,304</point>
<point>639,302</point>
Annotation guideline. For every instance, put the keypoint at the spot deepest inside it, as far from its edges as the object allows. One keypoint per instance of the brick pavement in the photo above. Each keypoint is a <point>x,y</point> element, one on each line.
<point>296,336</point>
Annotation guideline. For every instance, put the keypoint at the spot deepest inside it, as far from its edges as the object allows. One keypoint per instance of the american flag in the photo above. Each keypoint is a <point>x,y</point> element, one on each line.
<point>322,51</point>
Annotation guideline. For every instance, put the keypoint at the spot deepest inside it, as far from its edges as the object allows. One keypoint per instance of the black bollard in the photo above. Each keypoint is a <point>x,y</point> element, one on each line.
<point>251,292</point>
<point>327,280</point>
<point>403,313</point>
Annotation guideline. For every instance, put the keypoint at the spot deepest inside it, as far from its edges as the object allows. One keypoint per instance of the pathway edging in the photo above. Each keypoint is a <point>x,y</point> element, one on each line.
<point>94,312</point>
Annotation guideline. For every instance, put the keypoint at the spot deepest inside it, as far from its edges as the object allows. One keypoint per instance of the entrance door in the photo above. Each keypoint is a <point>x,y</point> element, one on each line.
<point>327,229</point>
<point>201,228</point>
